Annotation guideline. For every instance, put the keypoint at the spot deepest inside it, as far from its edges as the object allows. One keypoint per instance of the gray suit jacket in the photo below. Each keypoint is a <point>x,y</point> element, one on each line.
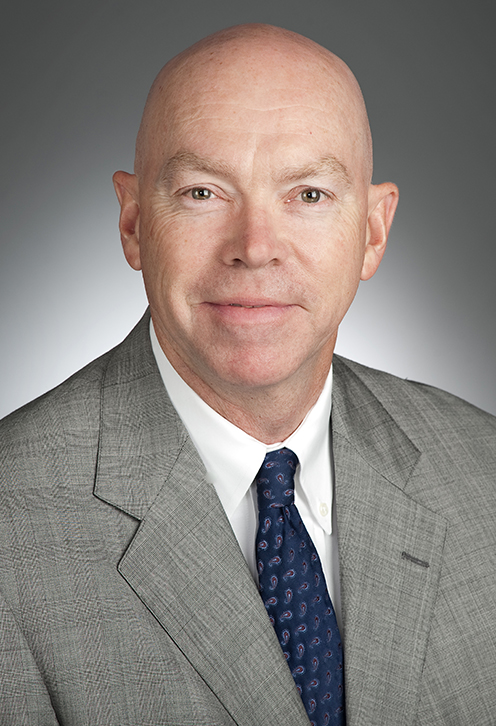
<point>125,600</point>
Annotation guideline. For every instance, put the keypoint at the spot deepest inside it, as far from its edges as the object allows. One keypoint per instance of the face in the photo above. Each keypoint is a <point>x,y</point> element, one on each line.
<point>252,223</point>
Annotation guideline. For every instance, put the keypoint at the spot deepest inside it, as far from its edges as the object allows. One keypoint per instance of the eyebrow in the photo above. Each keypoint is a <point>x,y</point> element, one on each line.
<point>327,165</point>
<point>189,161</point>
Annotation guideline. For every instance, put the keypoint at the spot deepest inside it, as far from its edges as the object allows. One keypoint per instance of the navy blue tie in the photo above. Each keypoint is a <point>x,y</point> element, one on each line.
<point>294,592</point>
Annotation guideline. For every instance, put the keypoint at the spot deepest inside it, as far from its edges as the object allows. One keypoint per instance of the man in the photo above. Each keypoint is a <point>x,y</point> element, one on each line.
<point>129,507</point>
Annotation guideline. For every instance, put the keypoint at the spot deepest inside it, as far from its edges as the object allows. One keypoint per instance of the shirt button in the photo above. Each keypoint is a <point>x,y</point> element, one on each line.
<point>323,509</point>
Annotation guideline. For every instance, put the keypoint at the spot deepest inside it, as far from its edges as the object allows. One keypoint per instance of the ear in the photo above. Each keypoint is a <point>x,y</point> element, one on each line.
<point>126,188</point>
<point>383,200</point>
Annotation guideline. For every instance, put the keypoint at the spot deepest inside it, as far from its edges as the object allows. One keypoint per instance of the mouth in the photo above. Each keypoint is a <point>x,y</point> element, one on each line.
<point>249,312</point>
<point>238,305</point>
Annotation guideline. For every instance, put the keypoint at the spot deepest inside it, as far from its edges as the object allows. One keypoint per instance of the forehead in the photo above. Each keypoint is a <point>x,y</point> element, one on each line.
<point>245,120</point>
<point>256,100</point>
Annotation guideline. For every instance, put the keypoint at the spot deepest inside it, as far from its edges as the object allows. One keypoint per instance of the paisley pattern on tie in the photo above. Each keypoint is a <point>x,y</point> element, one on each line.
<point>294,592</point>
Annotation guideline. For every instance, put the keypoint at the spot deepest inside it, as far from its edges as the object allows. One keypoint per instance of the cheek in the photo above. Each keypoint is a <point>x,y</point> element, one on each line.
<point>175,264</point>
<point>336,270</point>
<point>339,255</point>
<point>352,243</point>
<point>174,237</point>
<point>159,260</point>
<point>162,244</point>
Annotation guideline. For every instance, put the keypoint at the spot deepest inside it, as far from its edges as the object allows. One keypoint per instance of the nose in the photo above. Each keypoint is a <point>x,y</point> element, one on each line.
<point>254,241</point>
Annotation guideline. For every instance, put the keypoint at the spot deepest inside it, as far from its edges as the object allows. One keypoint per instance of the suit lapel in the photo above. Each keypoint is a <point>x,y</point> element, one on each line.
<point>184,562</point>
<point>390,549</point>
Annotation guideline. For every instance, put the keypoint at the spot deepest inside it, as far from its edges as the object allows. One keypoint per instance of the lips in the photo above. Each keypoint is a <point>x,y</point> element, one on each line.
<point>246,302</point>
<point>249,312</point>
<point>238,305</point>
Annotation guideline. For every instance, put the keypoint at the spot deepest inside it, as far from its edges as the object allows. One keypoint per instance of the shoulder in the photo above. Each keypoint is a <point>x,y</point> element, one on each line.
<point>66,420</point>
<point>52,440</point>
<point>76,402</point>
<point>73,403</point>
<point>416,406</point>
<point>455,441</point>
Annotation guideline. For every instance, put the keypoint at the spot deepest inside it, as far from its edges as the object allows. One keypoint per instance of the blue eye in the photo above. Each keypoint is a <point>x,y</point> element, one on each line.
<point>310,196</point>
<point>201,193</point>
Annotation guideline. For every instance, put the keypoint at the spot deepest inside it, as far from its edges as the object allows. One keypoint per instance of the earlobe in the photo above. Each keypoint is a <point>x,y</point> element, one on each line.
<point>126,188</point>
<point>383,200</point>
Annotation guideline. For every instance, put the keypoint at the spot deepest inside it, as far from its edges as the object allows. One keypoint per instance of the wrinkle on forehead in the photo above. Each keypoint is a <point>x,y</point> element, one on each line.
<point>264,63</point>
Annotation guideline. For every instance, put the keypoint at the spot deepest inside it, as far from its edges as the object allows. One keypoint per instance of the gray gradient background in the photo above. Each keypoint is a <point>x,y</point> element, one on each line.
<point>74,81</point>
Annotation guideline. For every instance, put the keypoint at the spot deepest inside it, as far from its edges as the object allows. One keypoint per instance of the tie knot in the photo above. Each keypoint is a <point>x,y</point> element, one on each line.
<point>275,479</point>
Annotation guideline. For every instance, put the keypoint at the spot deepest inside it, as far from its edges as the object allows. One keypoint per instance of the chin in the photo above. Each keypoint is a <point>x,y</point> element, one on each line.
<point>246,372</point>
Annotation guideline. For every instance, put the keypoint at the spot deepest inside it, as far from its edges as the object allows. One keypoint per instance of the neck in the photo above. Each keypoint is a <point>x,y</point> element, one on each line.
<point>283,407</point>
<point>268,413</point>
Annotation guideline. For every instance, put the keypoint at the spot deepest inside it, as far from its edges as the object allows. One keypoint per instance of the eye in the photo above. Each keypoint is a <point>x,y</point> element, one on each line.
<point>311,196</point>
<point>201,193</point>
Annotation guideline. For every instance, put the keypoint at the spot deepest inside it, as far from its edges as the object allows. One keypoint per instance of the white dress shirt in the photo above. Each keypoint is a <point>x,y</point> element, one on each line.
<point>232,459</point>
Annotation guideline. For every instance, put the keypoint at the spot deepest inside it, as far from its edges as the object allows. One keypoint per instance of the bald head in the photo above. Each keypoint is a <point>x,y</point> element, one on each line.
<point>259,65</point>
